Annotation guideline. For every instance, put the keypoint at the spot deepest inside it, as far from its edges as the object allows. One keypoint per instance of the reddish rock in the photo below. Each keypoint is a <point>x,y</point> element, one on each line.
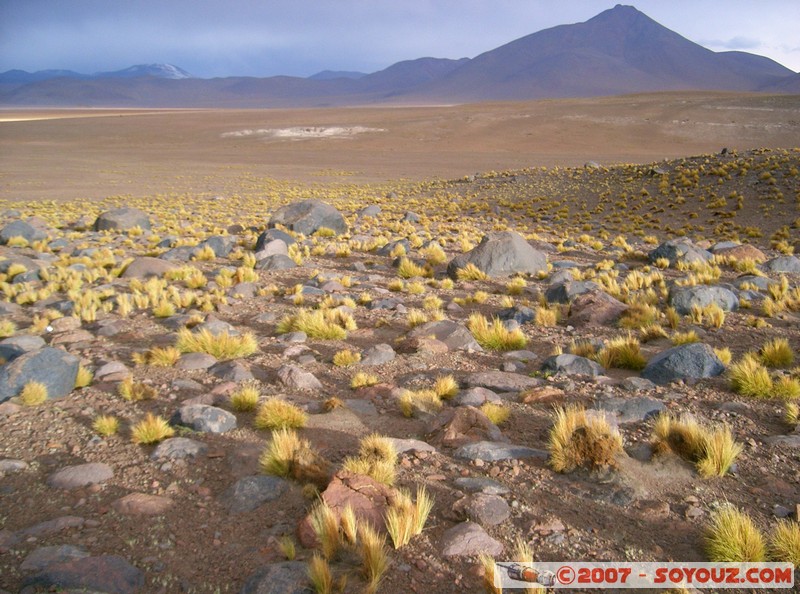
<point>368,498</point>
<point>595,308</point>
<point>141,504</point>
<point>743,252</point>
<point>455,427</point>
<point>543,394</point>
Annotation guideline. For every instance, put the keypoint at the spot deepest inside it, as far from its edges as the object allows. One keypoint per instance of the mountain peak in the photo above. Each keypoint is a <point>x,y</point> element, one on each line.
<point>156,70</point>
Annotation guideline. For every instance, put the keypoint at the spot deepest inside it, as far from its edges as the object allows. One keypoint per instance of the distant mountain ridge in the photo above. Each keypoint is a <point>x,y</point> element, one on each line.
<point>619,51</point>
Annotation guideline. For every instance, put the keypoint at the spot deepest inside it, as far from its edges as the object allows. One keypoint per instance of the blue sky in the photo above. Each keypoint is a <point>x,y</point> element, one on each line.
<point>268,37</point>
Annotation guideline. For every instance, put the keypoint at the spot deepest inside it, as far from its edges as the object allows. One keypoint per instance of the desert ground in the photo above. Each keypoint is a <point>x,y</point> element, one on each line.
<point>373,323</point>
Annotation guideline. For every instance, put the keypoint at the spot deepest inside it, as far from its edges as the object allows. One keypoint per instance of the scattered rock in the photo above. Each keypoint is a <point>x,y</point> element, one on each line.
<point>81,475</point>
<point>276,262</point>
<point>683,299</point>
<point>378,355</point>
<point>178,448</point>
<point>631,410</point>
<point>42,557</point>
<point>251,492</point>
<point>49,527</point>
<point>192,361</point>
<point>468,539</point>
<point>141,504</point>
<point>740,252</point>
<point>368,498</point>
<point>454,427</point>
<point>50,366</point>
<point>567,291</point>
<point>679,250</point>
<point>108,574</point>
<point>231,371</point>
<point>145,267</point>
<point>273,235</point>
<point>308,216</point>
<point>287,577</point>
<point>480,485</point>
<point>485,509</point>
<point>780,264</point>
<point>204,418</point>
<point>501,254</point>
<point>595,308</point>
<point>297,378</point>
<point>410,445</point>
<point>122,219</point>
<point>568,364</point>
<point>695,360</point>
<point>10,466</point>
<point>455,336</point>
<point>501,381</point>
<point>14,346</point>
<point>21,229</point>
<point>492,451</point>
<point>475,397</point>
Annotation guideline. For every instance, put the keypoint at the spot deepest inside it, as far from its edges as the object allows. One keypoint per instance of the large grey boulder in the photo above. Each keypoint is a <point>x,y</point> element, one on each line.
<point>501,254</point>
<point>687,361</point>
<point>308,216</point>
<point>276,262</point>
<point>783,264</point>
<point>679,250</point>
<point>122,219</point>
<point>683,299</point>
<point>271,235</point>
<point>52,367</point>
<point>21,229</point>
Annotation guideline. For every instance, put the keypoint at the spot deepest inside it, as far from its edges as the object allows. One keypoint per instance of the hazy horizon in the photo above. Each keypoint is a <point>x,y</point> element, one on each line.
<point>249,38</point>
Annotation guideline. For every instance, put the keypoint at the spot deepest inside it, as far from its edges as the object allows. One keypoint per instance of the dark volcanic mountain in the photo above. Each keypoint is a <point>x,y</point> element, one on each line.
<point>619,51</point>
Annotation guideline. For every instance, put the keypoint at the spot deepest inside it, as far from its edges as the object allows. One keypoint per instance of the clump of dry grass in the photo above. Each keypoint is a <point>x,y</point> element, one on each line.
<point>245,397</point>
<point>84,377</point>
<point>496,413</point>
<point>445,387</point>
<point>346,358</point>
<point>495,336</point>
<point>288,455</point>
<point>784,542</point>
<point>276,413</point>
<point>470,272</point>
<point>776,353</point>
<point>363,379</point>
<point>135,391</point>
<point>578,439</point>
<point>159,357</point>
<point>374,556</point>
<point>320,575</point>
<point>151,429</point>
<point>750,378</point>
<point>733,537</point>
<point>223,346</point>
<point>325,524</point>
<point>105,425</point>
<point>33,393</point>
<point>713,451</point>
<point>405,519</point>
<point>377,458</point>
<point>325,324</point>
<point>420,401</point>
<point>622,352</point>
<point>688,337</point>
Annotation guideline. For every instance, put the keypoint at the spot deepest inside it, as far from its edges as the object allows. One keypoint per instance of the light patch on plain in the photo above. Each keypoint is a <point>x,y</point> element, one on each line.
<point>302,132</point>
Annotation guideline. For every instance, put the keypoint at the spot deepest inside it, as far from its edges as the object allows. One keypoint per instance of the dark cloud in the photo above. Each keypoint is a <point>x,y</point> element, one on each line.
<point>267,37</point>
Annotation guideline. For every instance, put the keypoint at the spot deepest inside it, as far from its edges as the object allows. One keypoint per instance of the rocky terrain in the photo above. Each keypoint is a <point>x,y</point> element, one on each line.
<point>459,319</point>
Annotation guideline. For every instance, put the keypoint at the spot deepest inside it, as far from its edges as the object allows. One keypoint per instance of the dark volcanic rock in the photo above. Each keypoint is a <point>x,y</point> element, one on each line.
<point>108,574</point>
<point>251,492</point>
<point>52,367</point>
<point>568,364</point>
<point>287,577</point>
<point>683,299</point>
<point>308,216</point>
<point>21,229</point>
<point>679,250</point>
<point>501,254</point>
<point>695,360</point>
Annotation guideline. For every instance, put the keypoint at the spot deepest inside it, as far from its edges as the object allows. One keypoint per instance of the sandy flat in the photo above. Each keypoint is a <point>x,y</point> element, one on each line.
<point>64,154</point>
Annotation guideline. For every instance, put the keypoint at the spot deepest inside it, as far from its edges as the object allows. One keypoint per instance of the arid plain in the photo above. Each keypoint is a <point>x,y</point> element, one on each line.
<point>404,345</point>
